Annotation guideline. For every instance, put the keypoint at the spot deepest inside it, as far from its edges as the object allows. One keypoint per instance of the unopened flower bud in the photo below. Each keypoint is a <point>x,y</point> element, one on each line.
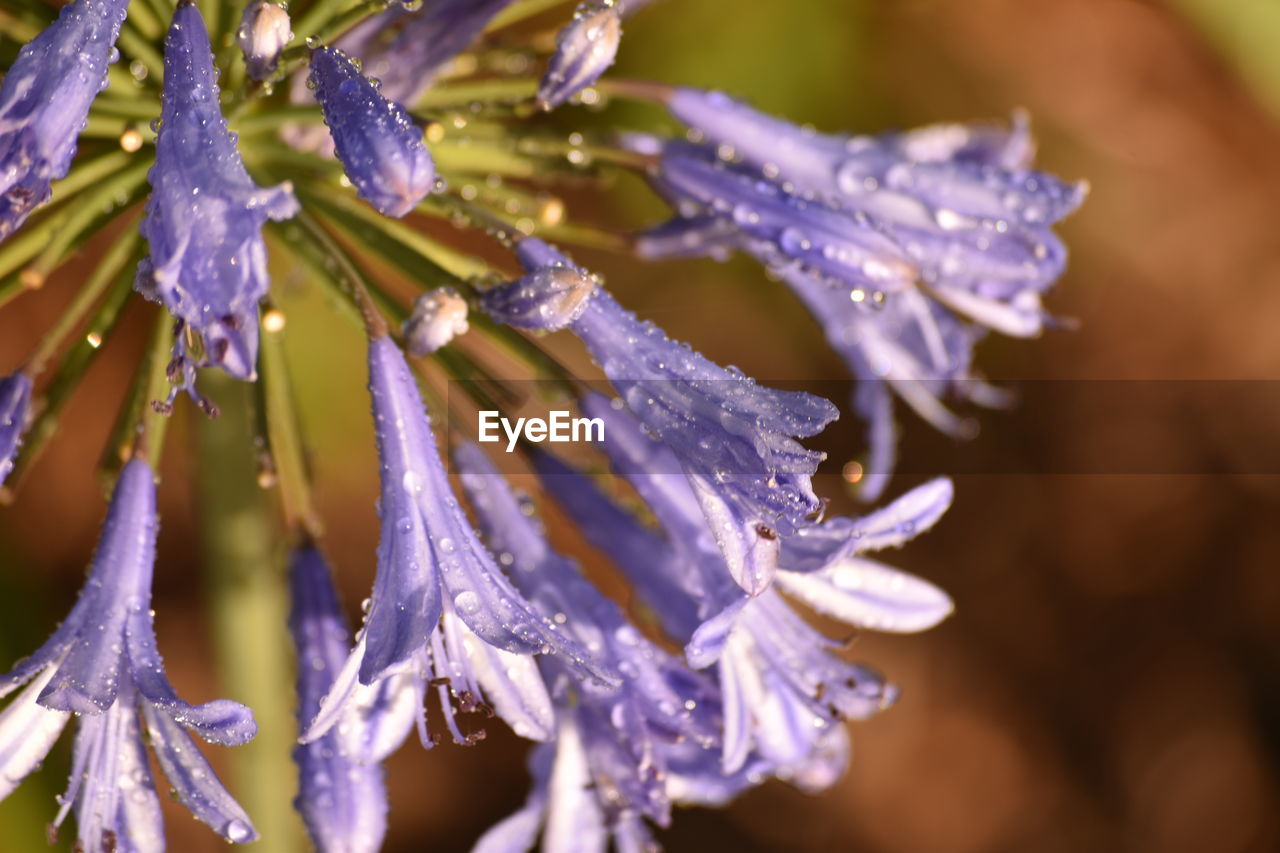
<point>264,32</point>
<point>586,47</point>
<point>438,316</point>
<point>546,299</point>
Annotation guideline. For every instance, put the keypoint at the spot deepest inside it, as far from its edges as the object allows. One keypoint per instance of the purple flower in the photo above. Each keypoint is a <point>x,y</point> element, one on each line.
<point>550,296</point>
<point>780,226</point>
<point>15,398</point>
<point>614,739</point>
<point>342,798</point>
<point>961,201</point>
<point>263,35</point>
<point>734,439</point>
<point>426,41</point>
<point>876,235</point>
<point>783,690</point>
<point>380,147</point>
<point>442,614</point>
<point>102,665</point>
<point>208,263</point>
<point>45,99</point>
<point>584,49</point>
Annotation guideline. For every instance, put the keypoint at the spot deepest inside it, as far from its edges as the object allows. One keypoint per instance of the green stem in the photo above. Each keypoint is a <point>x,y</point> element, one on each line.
<point>145,21</point>
<point>244,571</point>
<point>117,192</point>
<point>284,434</point>
<point>497,90</point>
<point>319,15</point>
<point>519,11</point>
<point>75,363</point>
<point>103,274</point>
<point>137,417</point>
<point>134,45</point>
<point>363,220</point>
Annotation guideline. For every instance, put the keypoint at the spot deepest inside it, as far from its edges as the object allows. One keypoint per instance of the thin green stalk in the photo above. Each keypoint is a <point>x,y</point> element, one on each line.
<point>162,8</point>
<point>137,416</point>
<point>352,212</point>
<point>520,11</point>
<point>497,90</point>
<point>283,428</point>
<point>71,370</point>
<point>21,26</point>
<point>115,193</point>
<point>149,26</point>
<point>244,573</point>
<point>142,109</point>
<point>321,13</point>
<point>272,119</point>
<point>31,240</point>
<point>134,45</point>
<point>108,267</point>
<point>211,11</point>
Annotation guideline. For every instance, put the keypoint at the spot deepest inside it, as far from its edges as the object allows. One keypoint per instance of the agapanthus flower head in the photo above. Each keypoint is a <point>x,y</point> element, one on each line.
<point>208,262</point>
<point>438,317</point>
<point>45,99</point>
<point>101,664</point>
<point>551,295</point>
<point>441,608</point>
<point>378,144</point>
<point>263,34</point>
<point>615,737</point>
<point>15,398</point>
<point>342,797</point>
<point>585,48</point>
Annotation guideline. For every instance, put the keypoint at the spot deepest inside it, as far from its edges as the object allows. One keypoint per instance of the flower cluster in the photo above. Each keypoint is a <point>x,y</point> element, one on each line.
<point>905,247</point>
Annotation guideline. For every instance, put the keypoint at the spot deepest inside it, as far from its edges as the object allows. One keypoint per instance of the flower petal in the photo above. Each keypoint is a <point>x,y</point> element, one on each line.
<point>191,776</point>
<point>871,595</point>
<point>27,733</point>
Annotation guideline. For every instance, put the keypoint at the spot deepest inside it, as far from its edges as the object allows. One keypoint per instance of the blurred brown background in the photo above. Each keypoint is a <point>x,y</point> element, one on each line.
<point>1111,678</point>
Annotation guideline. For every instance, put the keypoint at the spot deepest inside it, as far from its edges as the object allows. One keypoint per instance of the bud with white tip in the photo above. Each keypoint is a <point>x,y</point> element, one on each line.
<point>263,34</point>
<point>586,47</point>
<point>551,294</point>
<point>438,316</point>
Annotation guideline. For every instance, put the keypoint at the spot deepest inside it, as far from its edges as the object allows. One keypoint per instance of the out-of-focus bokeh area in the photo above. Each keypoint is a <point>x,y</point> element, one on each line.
<point>1111,677</point>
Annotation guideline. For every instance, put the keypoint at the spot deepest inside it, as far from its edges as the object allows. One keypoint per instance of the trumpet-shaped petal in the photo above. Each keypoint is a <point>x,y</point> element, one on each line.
<point>612,741</point>
<point>441,609</point>
<point>45,99</point>
<point>342,798</point>
<point>947,215</point>
<point>208,262</point>
<point>585,48</point>
<point>102,664</point>
<point>15,398</point>
<point>960,200</point>
<point>379,146</point>
<point>812,231</point>
<point>735,439</point>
